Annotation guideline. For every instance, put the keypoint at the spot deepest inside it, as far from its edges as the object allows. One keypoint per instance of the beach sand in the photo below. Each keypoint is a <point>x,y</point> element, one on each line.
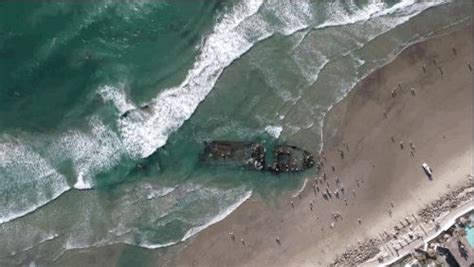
<point>375,171</point>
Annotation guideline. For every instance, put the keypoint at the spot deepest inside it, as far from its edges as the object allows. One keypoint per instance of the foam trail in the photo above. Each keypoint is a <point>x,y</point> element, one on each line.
<point>301,188</point>
<point>217,218</point>
<point>274,131</point>
<point>376,8</point>
<point>153,246</point>
<point>15,215</point>
<point>410,5</point>
<point>144,132</point>
<point>49,237</point>
<point>104,243</point>
<point>21,167</point>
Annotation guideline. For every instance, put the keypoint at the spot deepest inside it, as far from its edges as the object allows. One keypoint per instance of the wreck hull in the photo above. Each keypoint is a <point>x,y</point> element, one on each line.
<point>252,156</point>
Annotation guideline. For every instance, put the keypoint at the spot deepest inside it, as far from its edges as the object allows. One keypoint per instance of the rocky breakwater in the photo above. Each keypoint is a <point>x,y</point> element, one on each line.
<point>359,254</point>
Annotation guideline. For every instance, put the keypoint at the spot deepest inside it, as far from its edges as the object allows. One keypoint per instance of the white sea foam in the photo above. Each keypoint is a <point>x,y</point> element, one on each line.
<point>46,238</point>
<point>117,96</point>
<point>358,61</point>
<point>28,180</point>
<point>91,152</point>
<point>341,16</point>
<point>300,38</point>
<point>407,7</point>
<point>81,182</point>
<point>153,246</point>
<point>375,8</point>
<point>14,214</point>
<point>160,193</point>
<point>274,131</point>
<point>285,95</point>
<point>303,186</point>
<point>219,217</point>
<point>71,245</point>
<point>290,16</point>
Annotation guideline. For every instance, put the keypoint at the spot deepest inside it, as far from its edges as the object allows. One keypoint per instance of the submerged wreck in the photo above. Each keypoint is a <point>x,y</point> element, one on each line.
<point>252,156</point>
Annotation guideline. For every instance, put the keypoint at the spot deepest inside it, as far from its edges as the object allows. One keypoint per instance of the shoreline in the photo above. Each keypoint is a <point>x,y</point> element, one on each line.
<point>445,34</point>
<point>308,231</point>
<point>438,34</point>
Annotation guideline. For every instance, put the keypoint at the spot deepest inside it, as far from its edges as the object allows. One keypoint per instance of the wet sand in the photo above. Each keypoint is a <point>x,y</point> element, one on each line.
<point>377,174</point>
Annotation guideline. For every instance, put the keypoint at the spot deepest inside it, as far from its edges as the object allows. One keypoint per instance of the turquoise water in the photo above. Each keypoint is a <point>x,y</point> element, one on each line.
<point>470,232</point>
<point>470,236</point>
<point>242,70</point>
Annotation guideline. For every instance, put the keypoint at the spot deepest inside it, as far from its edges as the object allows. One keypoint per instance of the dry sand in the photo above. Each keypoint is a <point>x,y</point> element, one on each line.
<point>437,119</point>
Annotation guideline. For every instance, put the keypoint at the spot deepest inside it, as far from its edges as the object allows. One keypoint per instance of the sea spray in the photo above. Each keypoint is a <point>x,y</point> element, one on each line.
<point>274,131</point>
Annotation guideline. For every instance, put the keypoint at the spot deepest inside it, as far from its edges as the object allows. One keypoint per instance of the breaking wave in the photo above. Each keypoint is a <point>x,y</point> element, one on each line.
<point>219,217</point>
<point>27,182</point>
<point>30,179</point>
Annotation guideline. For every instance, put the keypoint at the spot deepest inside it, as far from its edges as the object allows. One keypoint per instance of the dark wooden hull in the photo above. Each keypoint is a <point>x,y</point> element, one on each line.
<point>252,156</point>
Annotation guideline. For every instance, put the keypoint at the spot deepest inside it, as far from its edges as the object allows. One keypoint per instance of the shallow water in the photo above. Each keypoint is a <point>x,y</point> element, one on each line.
<point>256,70</point>
<point>470,231</point>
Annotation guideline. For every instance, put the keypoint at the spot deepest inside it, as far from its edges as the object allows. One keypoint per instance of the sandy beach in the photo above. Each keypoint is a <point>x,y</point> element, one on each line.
<point>415,109</point>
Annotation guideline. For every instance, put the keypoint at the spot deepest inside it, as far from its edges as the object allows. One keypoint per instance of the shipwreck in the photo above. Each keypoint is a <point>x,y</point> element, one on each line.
<point>252,156</point>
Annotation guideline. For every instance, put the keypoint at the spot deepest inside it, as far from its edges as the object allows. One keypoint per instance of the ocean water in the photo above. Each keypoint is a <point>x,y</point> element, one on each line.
<point>77,174</point>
